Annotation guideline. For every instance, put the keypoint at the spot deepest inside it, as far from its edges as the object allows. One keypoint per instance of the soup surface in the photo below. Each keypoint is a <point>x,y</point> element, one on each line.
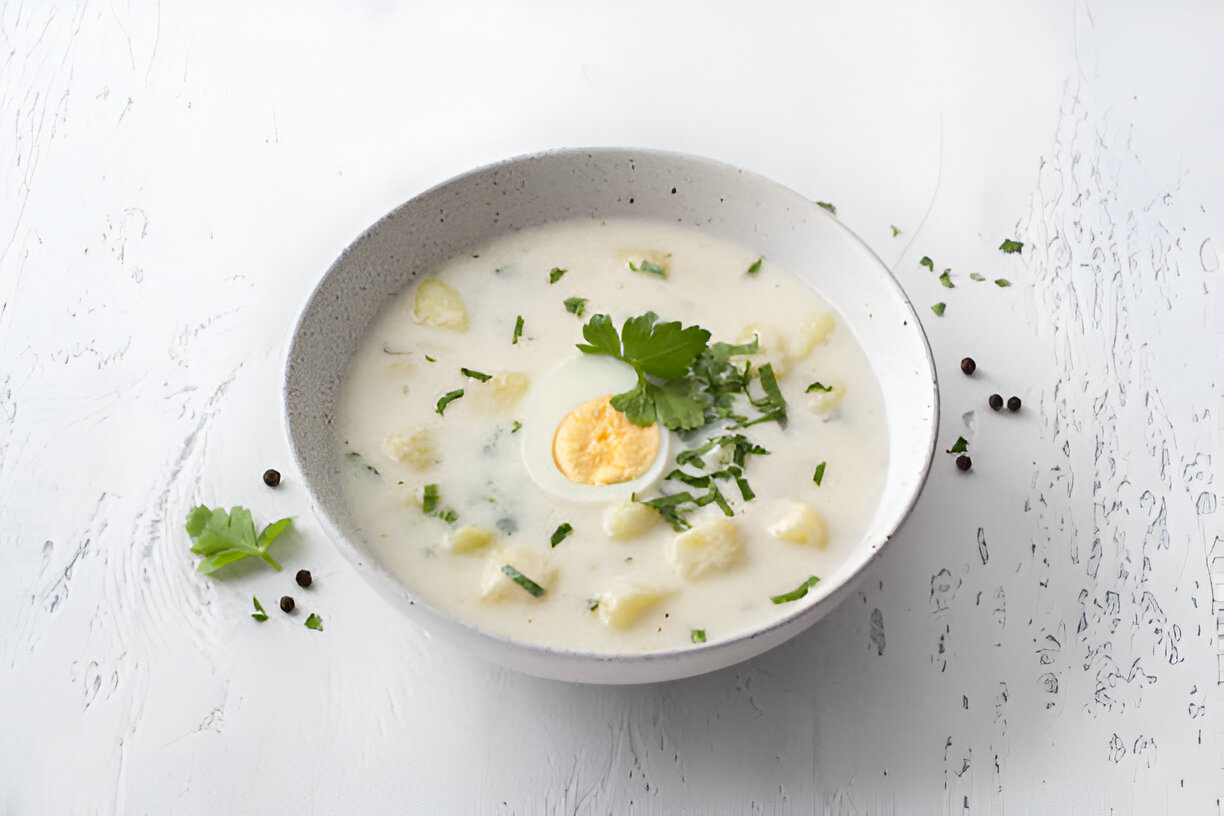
<point>492,475</point>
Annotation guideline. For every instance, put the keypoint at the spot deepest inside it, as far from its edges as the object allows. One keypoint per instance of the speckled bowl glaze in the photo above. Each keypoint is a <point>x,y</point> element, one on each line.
<point>532,190</point>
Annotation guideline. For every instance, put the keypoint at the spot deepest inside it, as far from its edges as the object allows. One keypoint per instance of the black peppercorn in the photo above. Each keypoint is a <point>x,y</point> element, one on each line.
<point>303,578</point>
<point>1013,404</point>
<point>286,604</point>
<point>271,477</point>
<point>996,401</point>
<point>968,365</point>
<point>963,462</point>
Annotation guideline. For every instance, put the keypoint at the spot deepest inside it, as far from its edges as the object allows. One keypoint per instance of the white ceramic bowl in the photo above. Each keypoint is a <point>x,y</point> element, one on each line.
<point>529,191</point>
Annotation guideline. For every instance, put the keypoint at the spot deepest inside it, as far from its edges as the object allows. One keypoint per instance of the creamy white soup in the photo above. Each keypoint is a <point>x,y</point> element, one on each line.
<point>490,471</point>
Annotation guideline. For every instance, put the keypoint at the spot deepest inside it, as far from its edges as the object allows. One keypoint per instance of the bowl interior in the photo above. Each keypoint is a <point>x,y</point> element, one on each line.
<point>526,192</point>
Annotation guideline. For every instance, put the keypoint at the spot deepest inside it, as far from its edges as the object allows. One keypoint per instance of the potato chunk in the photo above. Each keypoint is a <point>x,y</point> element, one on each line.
<point>822,402</point>
<point>501,392</point>
<point>496,585</point>
<point>436,303</point>
<point>414,449</point>
<point>814,330</point>
<point>710,547</point>
<point>771,347</point>
<point>466,539</point>
<point>800,523</point>
<point>623,603</point>
<point>628,519</point>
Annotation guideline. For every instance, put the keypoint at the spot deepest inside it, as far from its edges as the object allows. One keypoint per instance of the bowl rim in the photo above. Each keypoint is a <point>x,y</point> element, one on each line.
<point>716,654</point>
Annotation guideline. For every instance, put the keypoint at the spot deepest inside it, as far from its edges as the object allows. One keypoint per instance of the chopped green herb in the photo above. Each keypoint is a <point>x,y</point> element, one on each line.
<point>741,447</point>
<point>449,516</point>
<point>555,274</point>
<point>518,330</point>
<point>405,390</point>
<point>818,386</point>
<point>430,359</point>
<point>314,622</point>
<point>938,308</point>
<point>561,533</point>
<point>977,276</point>
<point>927,262</point>
<point>796,593</point>
<point>358,460</point>
<point>826,205</point>
<point>745,490</point>
<point>1009,246</point>
<point>593,604</point>
<point>447,399</point>
<point>475,375</point>
<point>946,279</point>
<point>756,266</point>
<point>576,306</point>
<point>1001,282</point>
<point>698,636</point>
<point>223,538</point>
<point>772,405</point>
<point>896,231</point>
<point>429,502</point>
<point>960,446</point>
<point>522,580</point>
<point>259,614</point>
<point>819,476</point>
<point>651,267</point>
<point>515,427</point>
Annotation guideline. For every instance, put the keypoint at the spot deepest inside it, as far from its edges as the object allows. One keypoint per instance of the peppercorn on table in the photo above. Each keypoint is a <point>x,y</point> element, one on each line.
<point>1044,635</point>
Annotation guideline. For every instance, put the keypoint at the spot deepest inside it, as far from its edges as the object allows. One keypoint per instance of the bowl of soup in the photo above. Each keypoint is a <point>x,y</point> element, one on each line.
<point>611,415</point>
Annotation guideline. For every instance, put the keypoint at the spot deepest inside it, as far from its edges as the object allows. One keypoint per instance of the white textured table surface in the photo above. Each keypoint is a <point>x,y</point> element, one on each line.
<point>1044,636</point>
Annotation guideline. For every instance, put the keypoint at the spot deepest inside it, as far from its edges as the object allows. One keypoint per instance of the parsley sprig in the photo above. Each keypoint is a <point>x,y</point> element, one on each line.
<point>223,538</point>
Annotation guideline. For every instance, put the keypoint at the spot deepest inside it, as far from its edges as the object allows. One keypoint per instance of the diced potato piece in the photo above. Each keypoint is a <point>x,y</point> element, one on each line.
<point>466,539</point>
<point>629,519</point>
<point>436,303</point>
<point>414,449</point>
<point>496,585</point>
<point>399,367</point>
<point>710,547</point>
<point>500,393</point>
<point>623,603</point>
<point>814,330</point>
<point>800,523</point>
<point>822,402</point>
<point>771,347</point>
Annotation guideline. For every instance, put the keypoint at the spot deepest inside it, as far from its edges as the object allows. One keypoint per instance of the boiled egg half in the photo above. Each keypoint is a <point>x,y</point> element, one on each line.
<point>576,446</point>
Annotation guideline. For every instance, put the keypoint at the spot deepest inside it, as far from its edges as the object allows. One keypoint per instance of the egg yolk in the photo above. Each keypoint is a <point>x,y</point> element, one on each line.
<point>597,445</point>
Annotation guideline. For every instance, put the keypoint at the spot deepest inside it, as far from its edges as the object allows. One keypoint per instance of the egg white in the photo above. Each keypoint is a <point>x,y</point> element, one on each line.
<point>572,382</point>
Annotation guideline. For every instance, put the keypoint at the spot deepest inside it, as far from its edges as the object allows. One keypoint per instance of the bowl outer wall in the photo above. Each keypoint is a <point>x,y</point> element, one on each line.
<point>560,185</point>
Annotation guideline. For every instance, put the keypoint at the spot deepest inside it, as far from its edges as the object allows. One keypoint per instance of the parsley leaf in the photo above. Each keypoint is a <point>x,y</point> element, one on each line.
<point>756,266</point>
<point>429,505</point>
<point>518,330</point>
<point>576,306</point>
<point>938,308</point>
<point>1010,246</point>
<point>826,205</point>
<point>475,375</point>
<point>314,622</point>
<point>663,350</point>
<point>515,427</point>
<point>698,636</point>
<point>960,446</point>
<point>796,593</point>
<point>772,405</point>
<point>223,538</point>
<point>946,279</point>
<point>1002,282</point>
<point>819,475</point>
<point>927,262</point>
<point>522,580</point>
<point>677,404</point>
<point>447,399</point>
<point>896,231</point>
<point>818,386</point>
<point>650,267</point>
<point>555,274</point>
<point>977,276</point>
<point>259,614</point>
<point>561,534</point>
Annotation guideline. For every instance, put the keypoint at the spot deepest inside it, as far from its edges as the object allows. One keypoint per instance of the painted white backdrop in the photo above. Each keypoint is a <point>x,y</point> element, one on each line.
<point>1044,636</point>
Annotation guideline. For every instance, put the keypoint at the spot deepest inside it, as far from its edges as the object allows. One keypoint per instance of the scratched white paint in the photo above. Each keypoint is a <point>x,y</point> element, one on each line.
<point>1044,636</point>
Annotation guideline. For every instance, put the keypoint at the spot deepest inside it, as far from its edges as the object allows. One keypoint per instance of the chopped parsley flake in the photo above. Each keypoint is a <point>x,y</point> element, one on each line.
<point>576,306</point>
<point>818,386</point>
<point>649,266</point>
<point>429,502</point>
<point>259,614</point>
<point>756,266</point>
<point>819,475</point>
<point>698,636</point>
<point>960,446</point>
<point>447,399</point>
<point>1002,282</point>
<point>927,262</point>
<point>522,580</point>
<point>1009,246</point>
<point>555,274</point>
<point>946,279</point>
<point>938,308</point>
<point>430,359</point>
<point>518,330</point>
<point>515,427</point>
<point>796,593</point>
<point>475,375</point>
<point>977,276</point>
<point>593,604</point>
<point>359,460</point>
<point>314,622</point>
<point>896,231</point>
<point>826,205</point>
<point>561,534</point>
